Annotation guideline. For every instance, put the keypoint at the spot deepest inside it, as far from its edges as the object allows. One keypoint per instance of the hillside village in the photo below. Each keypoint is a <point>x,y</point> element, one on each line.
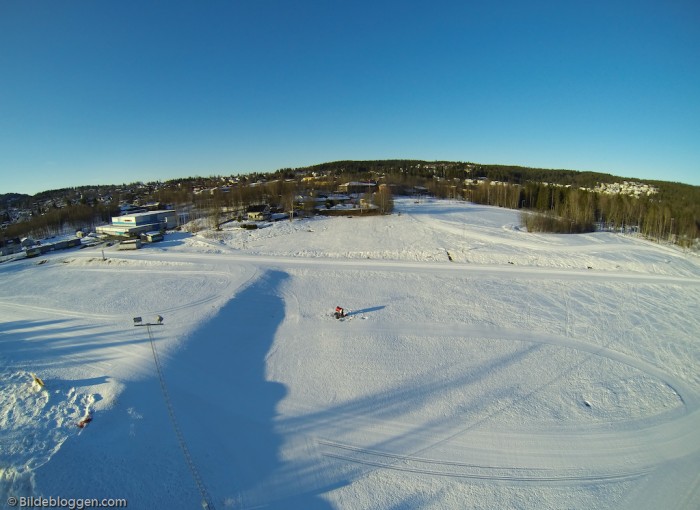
<point>636,189</point>
<point>139,196</point>
<point>15,209</point>
<point>344,187</point>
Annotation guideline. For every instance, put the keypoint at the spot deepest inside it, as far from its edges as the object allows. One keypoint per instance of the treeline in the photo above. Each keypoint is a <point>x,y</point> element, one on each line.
<point>449,170</point>
<point>57,220</point>
<point>288,196</point>
<point>552,199</point>
<point>673,215</point>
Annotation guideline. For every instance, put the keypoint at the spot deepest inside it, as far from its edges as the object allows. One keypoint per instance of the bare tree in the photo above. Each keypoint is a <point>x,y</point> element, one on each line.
<point>384,199</point>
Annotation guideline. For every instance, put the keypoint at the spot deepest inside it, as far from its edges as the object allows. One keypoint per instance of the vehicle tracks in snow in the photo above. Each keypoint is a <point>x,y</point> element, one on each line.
<point>422,465</point>
<point>595,453</point>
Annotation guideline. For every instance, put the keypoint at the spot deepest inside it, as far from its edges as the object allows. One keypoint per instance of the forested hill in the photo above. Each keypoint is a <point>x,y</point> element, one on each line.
<point>449,169</point>
<point>11,199</point>
<point>664,210</point>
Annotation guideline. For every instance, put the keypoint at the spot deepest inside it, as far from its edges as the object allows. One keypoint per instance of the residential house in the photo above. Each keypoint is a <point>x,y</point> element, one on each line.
<point>258,212</point>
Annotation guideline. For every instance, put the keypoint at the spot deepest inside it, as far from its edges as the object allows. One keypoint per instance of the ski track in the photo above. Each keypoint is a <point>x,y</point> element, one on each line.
<point>413,464</point>
<point>518,272</point>
<point>585,447</point>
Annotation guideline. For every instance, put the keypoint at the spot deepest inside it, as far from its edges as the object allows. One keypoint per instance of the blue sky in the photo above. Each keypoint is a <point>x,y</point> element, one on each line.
<point>121,91</point>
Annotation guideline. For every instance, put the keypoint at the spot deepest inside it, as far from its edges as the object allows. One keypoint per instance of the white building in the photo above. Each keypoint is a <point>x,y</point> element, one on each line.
<point>134,224</point>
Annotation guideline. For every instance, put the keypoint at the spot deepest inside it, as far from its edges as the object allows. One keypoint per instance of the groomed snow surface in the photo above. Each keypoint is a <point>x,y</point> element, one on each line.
<point>481,366</point>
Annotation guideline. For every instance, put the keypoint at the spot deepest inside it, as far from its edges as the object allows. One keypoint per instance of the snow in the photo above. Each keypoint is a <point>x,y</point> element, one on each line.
<point>529,371</point>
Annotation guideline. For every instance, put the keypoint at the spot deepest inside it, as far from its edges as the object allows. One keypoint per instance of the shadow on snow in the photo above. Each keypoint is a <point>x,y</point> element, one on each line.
<point>225,408</point>
<point>222,397</point>
<point>37,346</point>
<point>366,310</point>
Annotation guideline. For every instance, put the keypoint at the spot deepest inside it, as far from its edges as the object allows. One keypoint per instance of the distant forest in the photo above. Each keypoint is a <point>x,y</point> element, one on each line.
<point>551,200</point>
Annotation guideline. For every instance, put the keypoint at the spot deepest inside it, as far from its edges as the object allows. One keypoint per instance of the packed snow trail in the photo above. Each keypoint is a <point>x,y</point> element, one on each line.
<point>401,266</point>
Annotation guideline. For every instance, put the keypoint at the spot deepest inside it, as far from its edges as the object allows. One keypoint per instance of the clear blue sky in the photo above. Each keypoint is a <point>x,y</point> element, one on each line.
<point>95,92</point>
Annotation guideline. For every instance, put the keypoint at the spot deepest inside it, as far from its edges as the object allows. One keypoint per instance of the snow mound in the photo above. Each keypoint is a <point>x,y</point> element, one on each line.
<point>36,420</point>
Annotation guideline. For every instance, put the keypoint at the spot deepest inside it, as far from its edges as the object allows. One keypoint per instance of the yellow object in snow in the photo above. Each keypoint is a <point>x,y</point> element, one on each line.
<point>37,380</point>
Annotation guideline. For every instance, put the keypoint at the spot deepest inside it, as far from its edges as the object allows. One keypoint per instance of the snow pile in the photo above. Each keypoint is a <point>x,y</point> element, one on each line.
<point>479,366</point>
<point>35,423</point>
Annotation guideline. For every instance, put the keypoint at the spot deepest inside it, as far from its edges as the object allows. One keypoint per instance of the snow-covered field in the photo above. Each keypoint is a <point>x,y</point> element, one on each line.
<point>480,367</point>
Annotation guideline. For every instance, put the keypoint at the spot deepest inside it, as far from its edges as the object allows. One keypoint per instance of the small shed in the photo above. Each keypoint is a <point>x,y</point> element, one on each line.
<point>130,244</point>
<point>151,237</point>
